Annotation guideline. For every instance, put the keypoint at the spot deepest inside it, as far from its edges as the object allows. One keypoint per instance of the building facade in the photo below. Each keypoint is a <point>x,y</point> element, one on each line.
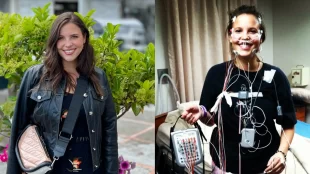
<point>104,8</point>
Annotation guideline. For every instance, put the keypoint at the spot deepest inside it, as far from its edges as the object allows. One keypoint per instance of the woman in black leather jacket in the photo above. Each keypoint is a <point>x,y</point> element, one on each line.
<point>45,95</point>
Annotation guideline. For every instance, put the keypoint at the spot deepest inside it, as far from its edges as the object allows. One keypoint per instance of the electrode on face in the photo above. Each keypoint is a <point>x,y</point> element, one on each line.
<point>252,34</point>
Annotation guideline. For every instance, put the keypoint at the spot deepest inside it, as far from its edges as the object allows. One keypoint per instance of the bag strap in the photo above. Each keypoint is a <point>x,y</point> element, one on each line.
<point>171,145</point>
<point>65,134</point>
<point>202,136</point>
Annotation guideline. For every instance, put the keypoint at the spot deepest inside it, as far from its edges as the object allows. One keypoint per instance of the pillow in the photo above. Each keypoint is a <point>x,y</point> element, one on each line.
<point>301,94</point>
<point>300,152</point>
<point>300,148</point>
<point>302,129</point>
<point>293,165</point>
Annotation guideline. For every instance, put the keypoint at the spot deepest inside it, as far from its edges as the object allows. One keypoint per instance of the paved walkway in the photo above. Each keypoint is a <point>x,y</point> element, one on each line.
<point>136,136</point>
<point>136,140</point>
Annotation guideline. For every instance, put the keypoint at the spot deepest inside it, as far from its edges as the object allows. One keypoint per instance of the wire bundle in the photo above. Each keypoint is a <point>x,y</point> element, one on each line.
<point>190,151</point>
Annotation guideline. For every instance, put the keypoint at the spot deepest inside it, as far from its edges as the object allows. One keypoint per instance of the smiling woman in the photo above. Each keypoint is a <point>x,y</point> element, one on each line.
<point>70,42</point>
<point>44,99</point>
<point>68,48</point>
<point>255,93</point>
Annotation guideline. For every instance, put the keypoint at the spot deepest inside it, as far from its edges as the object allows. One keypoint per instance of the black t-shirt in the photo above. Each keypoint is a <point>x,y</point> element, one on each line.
<point>264,111</point>
<point>77,158</point>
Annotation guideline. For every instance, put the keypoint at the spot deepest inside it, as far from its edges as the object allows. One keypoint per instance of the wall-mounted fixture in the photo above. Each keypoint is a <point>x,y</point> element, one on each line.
<point>300,76</point>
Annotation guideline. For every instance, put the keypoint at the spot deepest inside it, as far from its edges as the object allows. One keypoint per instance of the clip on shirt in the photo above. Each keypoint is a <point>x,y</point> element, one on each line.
<point>245,94</point>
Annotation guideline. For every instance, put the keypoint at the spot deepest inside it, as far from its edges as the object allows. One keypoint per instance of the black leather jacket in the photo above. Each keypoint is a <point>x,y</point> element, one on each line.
<point>43,107</point>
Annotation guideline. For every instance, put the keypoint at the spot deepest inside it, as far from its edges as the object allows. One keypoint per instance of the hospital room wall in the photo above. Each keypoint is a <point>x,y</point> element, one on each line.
<point>288,35</point>
<point>291,35</point>
<point>167,101</point>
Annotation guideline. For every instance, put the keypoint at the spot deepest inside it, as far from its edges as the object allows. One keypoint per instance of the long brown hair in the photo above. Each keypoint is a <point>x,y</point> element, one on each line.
<point>53,66</point>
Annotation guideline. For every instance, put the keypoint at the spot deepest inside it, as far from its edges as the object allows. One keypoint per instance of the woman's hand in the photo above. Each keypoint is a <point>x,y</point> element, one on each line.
<point>191,114</point>
<point>276,164</point>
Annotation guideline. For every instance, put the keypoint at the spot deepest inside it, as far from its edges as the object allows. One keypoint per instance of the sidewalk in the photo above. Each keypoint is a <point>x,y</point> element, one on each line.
<point>136,140</point>
<point>136,136</point>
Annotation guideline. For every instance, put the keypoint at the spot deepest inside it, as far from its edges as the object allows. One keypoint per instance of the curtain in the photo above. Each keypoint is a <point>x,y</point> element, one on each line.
<point>196,40</point>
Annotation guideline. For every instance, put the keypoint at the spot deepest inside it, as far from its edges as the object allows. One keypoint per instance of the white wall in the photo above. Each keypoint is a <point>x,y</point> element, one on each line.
<point>291,34</point>
<point>5,6</point>
<point>167,101</point>
<point>288,34</point>
<point>23,7</point>
<point>265,7</point>
<point>104,8</point>
<point>139,3</point>
<point>288,31</point>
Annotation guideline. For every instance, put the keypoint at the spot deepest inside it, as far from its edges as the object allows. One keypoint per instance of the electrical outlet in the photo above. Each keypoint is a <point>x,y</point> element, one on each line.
<point>160,72</point>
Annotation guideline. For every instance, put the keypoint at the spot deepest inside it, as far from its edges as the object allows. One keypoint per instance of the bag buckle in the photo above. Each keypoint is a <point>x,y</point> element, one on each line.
<point>54,159</point>
<point>65,136</point>
<point>243,94</point>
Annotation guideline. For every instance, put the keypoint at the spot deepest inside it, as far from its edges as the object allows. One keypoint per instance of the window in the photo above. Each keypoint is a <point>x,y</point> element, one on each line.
<point>61,7</point>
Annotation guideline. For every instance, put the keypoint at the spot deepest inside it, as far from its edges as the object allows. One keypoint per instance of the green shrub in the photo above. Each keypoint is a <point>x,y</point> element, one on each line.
<point>131,73</point>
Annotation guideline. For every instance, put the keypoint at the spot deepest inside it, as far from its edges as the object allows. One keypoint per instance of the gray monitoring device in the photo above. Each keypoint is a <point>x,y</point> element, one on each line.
<point>248,137</point>
<point>187,146</point>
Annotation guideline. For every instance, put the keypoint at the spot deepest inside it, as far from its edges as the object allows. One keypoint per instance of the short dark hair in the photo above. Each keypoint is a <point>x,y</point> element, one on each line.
<point>246,9</point>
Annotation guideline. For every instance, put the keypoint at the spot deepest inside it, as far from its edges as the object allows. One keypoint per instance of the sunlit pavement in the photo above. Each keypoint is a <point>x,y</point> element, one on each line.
<point>136,140</point>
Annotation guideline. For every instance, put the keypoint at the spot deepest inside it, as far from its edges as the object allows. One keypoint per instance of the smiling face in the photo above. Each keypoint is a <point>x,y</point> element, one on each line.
<point>245,35</point>
<point>70,43</point>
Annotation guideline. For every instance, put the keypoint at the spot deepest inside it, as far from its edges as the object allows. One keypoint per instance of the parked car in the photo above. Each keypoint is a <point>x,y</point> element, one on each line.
<point>131,32</point>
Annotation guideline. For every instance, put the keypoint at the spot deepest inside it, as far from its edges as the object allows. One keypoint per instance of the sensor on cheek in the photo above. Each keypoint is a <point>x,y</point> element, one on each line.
<point>235,52</point>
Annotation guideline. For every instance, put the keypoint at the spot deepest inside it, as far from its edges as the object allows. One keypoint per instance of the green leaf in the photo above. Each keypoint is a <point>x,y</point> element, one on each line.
<point>90,13</point>
<point>136,108</point>
<point>7,122</point>
<point>45,8</point>
<point>110,27</point>
<point>18,37</point>
<point>8,108</point>
<point>116,28</point>
<point>7,76</point>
